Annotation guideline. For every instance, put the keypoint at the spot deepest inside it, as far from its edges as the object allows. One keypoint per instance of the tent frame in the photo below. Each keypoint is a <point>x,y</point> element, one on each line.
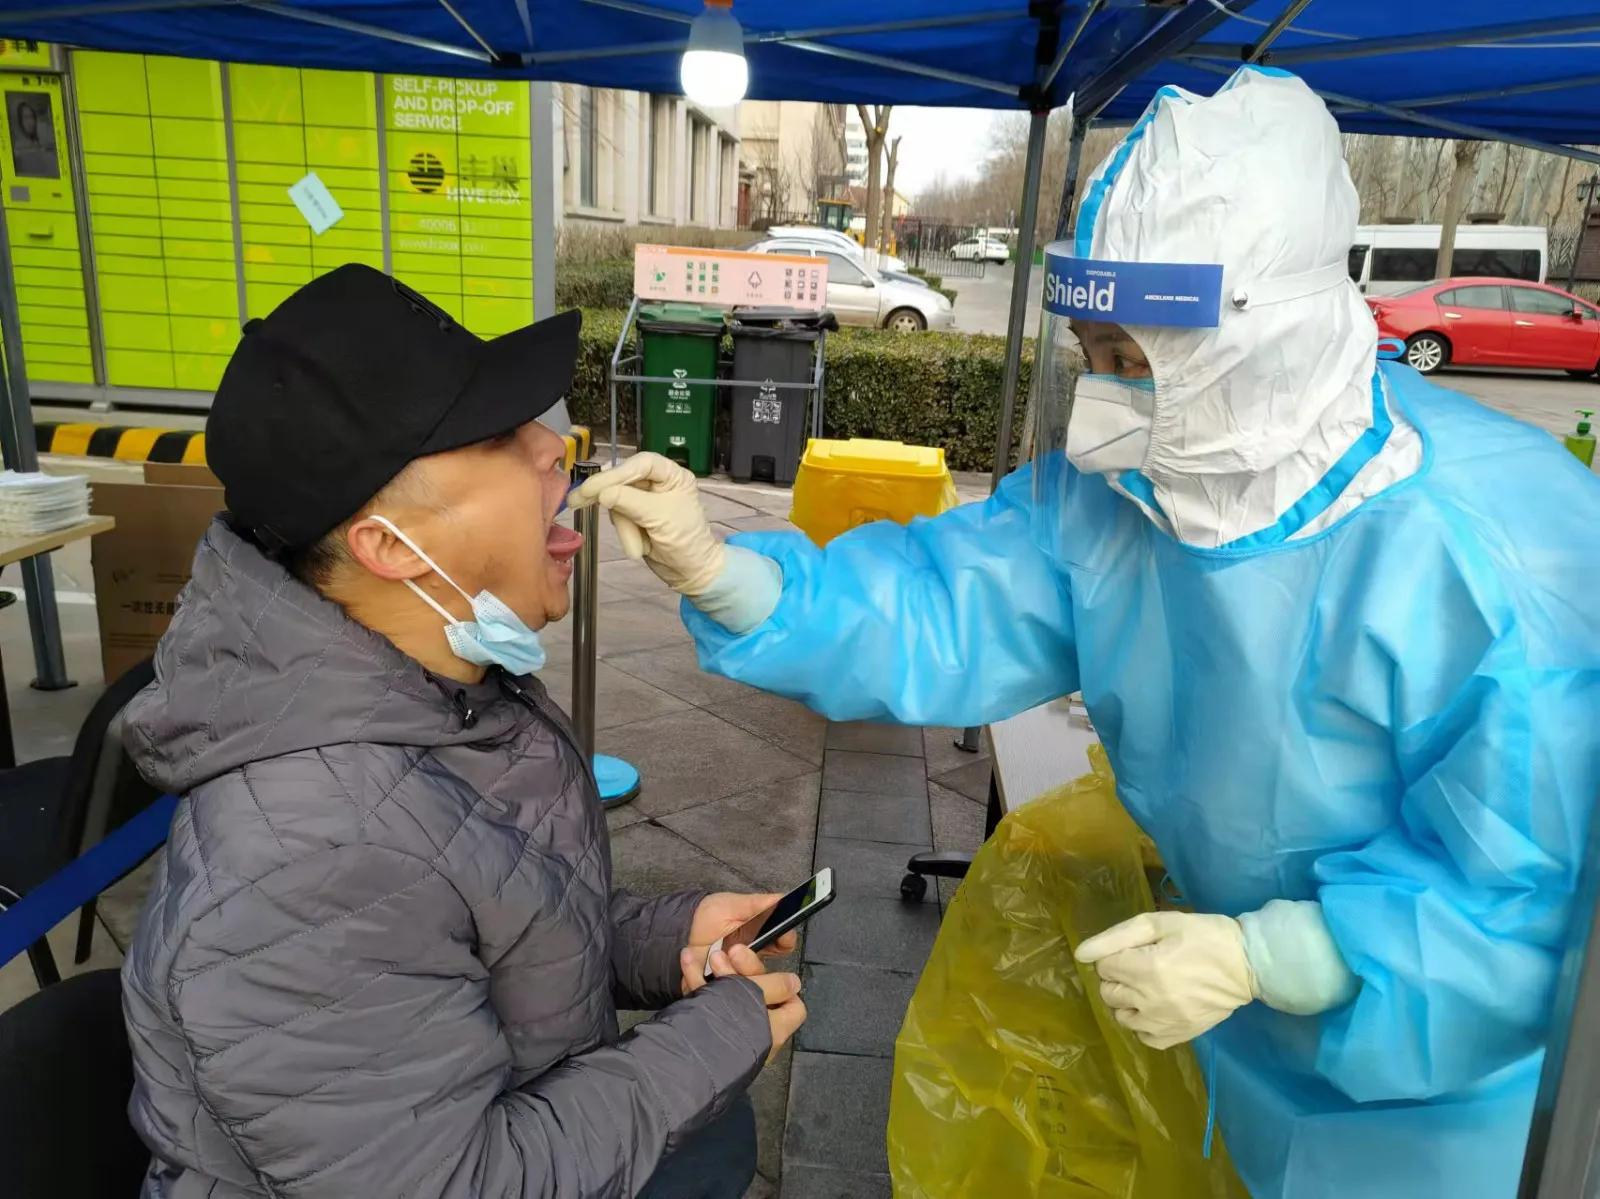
<point>1563,1157</point>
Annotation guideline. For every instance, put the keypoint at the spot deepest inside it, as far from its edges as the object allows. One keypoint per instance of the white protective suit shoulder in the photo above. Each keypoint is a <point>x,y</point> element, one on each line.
<point>1253,416</point>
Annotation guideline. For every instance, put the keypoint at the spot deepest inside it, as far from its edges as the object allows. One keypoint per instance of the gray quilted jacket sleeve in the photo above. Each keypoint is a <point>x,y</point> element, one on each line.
<point>390,1074</point>
<point>650,933</point>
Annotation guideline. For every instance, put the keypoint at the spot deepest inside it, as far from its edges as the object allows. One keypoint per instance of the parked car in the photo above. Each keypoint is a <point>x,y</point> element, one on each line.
<point>988,249</point>
<point>1492,322</point>
<point>885,263</point>
<point>859,295</point>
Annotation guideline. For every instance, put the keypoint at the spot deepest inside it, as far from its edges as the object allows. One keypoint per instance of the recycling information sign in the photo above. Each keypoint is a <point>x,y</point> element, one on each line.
<point>730,278</point>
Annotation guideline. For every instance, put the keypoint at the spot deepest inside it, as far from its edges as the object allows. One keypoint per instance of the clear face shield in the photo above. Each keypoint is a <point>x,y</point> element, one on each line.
<point>1097,422</point>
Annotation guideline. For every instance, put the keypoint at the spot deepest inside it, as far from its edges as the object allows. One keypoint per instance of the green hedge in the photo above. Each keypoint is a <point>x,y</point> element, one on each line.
<point>938,389</point>
<point>607,284</point>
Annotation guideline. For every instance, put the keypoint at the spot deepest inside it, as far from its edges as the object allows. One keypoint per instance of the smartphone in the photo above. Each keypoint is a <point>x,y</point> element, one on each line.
<point>793,910</point>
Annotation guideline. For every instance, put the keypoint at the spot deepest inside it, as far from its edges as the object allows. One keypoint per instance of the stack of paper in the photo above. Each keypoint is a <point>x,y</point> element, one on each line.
<point>34,503</point>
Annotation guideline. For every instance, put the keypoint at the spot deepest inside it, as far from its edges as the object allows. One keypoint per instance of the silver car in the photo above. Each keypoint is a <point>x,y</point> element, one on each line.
<point>858,295</point>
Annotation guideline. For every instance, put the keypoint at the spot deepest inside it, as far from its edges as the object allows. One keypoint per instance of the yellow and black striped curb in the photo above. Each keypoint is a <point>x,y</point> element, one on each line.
<point>139,444</point>
<point>123,442</point>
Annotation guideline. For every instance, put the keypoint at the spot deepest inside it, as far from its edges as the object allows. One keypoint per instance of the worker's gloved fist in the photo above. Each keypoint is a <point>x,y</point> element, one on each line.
<point>655,507</point>
<point>1169,976</point>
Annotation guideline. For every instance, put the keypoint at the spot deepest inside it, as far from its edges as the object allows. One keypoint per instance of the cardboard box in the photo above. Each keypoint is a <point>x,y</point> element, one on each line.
<point>142,564</point>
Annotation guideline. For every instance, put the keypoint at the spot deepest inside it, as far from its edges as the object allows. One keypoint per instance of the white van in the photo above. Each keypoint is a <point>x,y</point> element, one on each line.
<point>1388,259</point>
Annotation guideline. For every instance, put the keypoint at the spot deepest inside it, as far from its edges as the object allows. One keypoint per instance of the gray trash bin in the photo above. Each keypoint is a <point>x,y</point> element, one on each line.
<point>771,345</point>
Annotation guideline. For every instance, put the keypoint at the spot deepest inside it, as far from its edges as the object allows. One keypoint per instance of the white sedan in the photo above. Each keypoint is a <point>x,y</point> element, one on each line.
<point>986,249</point>
<point>859,295</point>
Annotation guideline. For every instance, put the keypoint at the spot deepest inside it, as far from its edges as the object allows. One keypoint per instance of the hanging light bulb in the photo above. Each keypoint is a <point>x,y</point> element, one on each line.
<point>714,72</point>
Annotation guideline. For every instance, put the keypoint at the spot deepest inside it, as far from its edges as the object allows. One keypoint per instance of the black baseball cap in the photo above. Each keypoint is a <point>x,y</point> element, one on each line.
<point>351,379</point>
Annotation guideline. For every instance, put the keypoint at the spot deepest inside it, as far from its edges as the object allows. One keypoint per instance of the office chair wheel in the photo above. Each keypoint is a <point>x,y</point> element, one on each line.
<point>914,887</point>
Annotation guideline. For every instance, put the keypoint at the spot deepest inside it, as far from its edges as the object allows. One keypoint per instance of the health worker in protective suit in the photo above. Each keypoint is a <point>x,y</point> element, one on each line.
<point>1337,627</point>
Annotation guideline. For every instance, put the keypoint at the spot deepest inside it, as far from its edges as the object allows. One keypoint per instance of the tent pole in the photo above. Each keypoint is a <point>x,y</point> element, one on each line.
<point>1411,42</point>
<point>1560,1162</point>
<point>1021,279</point>
<point>1022,275</point>
<point>22,453</point>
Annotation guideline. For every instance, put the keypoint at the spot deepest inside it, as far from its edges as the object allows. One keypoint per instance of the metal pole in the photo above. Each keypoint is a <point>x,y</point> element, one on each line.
<point>1560,1162</point>
<point>1019,294</point>
<point>22,453</point>
<point>1021,278</point>
<point>1589,188</point>
<point>544,208</point>
<point>585,600</point>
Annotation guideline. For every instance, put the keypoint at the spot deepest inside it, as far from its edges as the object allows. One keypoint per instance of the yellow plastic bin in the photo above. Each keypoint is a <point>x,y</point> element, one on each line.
<point>843,484</point>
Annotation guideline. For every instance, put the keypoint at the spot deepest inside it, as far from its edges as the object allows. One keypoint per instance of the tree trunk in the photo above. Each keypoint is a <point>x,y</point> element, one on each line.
<point>877,128</point>
<point>888,196</point>
<point>1466,170</point>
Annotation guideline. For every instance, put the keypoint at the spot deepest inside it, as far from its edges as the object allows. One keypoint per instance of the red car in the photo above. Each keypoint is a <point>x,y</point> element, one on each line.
<point>1492,322</point>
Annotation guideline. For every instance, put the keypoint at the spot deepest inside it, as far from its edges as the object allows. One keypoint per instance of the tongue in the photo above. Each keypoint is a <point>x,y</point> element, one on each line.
<point>562,543</point>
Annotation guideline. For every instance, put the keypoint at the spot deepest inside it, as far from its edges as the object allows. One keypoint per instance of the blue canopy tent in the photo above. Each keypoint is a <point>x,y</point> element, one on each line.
<point>1458,69</point>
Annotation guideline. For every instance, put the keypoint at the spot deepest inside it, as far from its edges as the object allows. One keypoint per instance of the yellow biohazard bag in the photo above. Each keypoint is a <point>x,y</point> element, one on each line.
<point>1012,1080</point>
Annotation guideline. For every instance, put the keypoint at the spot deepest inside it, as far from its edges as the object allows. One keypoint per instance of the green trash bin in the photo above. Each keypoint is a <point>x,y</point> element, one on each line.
<point>680,341</point>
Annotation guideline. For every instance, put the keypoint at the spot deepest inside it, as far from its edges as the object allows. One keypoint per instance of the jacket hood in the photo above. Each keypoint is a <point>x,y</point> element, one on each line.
<point>1249,416</point>
<point>257,665</point>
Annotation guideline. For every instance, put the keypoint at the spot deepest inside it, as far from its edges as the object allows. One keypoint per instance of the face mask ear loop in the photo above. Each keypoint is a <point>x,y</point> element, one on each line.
<point>418,591</point>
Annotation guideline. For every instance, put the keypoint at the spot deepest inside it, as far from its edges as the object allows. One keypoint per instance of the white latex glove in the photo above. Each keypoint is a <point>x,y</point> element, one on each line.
<point>1169,976</point>
<point>655,506</point>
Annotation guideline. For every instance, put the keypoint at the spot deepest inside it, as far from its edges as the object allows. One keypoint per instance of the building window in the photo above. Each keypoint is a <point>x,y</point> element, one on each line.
<point>588,150</point>
<point>658,142</point>
<point>697,173</point>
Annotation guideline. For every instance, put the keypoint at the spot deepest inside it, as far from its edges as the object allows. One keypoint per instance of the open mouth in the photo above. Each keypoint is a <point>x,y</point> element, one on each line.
<point>562,543</point>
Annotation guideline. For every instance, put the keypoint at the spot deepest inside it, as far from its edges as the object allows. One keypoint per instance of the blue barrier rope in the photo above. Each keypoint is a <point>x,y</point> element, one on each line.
<point>80,880</point>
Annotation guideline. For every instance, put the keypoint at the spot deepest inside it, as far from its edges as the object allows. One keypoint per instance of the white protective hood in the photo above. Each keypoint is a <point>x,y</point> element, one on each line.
<point>1251,416</point>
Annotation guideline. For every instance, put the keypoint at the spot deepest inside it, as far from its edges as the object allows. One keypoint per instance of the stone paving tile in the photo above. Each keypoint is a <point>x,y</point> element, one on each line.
<point>788,725</point>
<point>630,625</point>
<point>766,832</point>
<point>816,1182</point>
<point>972,779</point>
<point>693,757</point>
<point>650,860</point>
<point>676,670</point>
<point>864,736</point>
<point>769,1095</point>
<point>902,819</point>
<point>866,869</point>
<point>957,820</point>
<point>722,506</point>
<point>774,500</point>
<point>626,816</point>
<point>763,523</point>
<point>854,1009</point>
<point>633,578</point>
<point>939,748</point>
<point>877,774</point>
<point>889,934</point>
<point>619,697</point>
<point>838,1114</point>
<point>762,1187</point>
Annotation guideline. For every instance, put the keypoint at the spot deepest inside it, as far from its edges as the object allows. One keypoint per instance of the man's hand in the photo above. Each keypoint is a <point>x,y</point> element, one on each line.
<point>781,992</point>
<point>723,911</point>
<point>655,506</point>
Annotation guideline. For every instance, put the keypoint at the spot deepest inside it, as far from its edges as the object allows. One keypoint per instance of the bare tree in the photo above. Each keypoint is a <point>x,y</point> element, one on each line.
<point>876,123</point>
<point>1466,169</point>
<point>888,195</point>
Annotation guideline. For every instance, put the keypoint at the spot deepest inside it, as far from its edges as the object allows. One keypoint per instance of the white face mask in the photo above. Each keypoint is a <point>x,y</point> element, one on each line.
<point>496,636</point>
<point>1109,429</point>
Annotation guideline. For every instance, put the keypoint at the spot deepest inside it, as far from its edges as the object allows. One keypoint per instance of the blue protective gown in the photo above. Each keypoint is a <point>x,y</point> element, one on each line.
<point>1398,716</point>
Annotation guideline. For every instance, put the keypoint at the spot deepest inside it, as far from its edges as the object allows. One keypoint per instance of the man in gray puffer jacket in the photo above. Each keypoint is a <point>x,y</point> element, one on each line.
<point>383,955</point>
